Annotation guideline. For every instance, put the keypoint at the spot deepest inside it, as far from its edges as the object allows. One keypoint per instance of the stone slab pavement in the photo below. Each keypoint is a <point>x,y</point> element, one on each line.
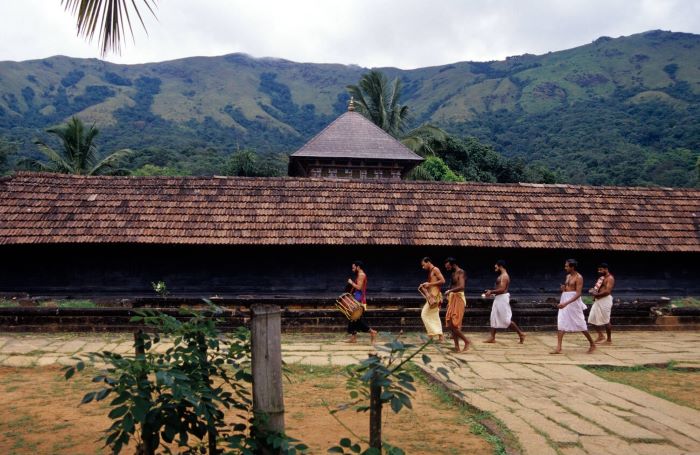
<point>549,402</point>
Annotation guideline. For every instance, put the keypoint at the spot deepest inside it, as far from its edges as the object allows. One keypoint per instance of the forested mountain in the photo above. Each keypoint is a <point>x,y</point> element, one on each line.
<point>622,111</point>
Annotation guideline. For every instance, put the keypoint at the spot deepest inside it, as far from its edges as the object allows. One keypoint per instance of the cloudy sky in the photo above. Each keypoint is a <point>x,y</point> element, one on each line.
<point>370,33</point>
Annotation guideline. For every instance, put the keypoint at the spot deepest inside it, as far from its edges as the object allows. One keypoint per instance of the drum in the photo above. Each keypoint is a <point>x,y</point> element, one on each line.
<point>434,301</point>
<point>351,308</point>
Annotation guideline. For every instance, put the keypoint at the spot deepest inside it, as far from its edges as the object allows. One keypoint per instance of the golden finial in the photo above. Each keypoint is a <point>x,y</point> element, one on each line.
<point>351,105</point>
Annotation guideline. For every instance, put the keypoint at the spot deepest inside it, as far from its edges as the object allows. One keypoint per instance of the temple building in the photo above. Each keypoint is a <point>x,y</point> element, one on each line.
<point>239,236</point>
<point>353,148</point>
<point>297,236</point>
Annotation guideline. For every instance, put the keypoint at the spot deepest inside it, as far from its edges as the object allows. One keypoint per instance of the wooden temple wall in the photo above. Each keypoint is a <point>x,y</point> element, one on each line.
<point>318,270</point>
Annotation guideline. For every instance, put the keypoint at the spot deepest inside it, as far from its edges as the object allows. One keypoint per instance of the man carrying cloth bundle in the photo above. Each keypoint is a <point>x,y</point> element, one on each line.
<point>570,317</point>
<point>600,311</point>
<point>501,314</point>
<point>431,315</point>
<point>456,303</point>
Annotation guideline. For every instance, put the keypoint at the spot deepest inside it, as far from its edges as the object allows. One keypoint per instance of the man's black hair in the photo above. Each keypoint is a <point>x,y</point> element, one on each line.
<point>501,262</point>
<point>573,263</point>
<point>427,259</point>
<point>603,265</point>
<point>358,263</point>
<point>450,260</point>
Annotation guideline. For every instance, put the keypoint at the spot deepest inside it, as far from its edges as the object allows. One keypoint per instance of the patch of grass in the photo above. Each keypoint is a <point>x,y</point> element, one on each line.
<point>678,385</point>
<point>294,337</point>
<point>686,302</point>
<point>69,304</point>
<point>481,423</point>
<point>304,372</point>
<point>324,386</point>
<point>59,446</point>
<point>22,444</point>
<point>8,303</point>
<point>60,426</point>
<point>23,422</point>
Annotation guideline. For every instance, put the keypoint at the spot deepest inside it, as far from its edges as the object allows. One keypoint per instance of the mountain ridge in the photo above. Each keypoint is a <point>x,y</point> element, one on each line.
<point>272,104</point>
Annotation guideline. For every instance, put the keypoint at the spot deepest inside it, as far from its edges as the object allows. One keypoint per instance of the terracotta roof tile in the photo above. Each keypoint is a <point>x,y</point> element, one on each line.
<point>52,208</point>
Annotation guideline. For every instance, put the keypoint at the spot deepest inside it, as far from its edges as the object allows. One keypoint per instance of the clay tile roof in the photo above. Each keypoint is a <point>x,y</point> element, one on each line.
<point>52,208</point>
<point>353,136</point>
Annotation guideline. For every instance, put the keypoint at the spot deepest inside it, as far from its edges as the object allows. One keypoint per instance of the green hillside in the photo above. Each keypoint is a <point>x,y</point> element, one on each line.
<point>616,111</point>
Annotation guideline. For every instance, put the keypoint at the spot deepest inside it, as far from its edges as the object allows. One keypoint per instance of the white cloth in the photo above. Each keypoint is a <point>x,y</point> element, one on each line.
<point>570,318</point>
<point>600,311</point>
<point>431,320</point>
<point>501,313</point>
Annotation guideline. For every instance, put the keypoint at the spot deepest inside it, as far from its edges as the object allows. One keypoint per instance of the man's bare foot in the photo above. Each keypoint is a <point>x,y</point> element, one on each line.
<point>591,349</point>
<point>522,338</point>
<point>599,339</point>
<point>441,338</point>
<point>372,336</point>
<point>556,351</point>
<point>351,340</point>
<point>466,346</point>
<point>608,342</point>
<point>490,340</point>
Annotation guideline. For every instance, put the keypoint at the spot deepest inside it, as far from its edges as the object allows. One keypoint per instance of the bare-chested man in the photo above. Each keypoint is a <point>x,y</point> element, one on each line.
<point>570,317</point>
<point>600,311</point>
<point>456,303</point>
<point>431,316</point>
<point>501,314</point>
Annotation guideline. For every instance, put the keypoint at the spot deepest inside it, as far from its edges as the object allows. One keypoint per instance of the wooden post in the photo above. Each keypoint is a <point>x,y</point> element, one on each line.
<point>211,434</point>
<point>375,413</point>
<point>266,353</point>
<point>146,430</point>
<point>139,347</point>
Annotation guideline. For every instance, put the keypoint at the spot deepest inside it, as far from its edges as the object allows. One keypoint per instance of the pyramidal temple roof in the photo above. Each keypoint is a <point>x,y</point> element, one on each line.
<point>353,136</point>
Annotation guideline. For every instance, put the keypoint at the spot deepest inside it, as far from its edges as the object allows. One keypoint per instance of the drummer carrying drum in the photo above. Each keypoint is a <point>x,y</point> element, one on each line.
<point>359,292</point>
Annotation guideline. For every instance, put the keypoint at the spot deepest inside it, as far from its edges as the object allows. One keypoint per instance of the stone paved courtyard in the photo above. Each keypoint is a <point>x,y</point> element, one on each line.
<point>549,402</point>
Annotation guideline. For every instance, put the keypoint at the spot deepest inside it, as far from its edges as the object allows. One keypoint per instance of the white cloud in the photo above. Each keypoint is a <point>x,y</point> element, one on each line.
<point>406,34</point>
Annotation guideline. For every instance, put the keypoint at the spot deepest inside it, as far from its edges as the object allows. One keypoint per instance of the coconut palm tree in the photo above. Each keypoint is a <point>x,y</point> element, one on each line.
<point>78,154</point>
<point>110,15</point>
<point>379,100</point>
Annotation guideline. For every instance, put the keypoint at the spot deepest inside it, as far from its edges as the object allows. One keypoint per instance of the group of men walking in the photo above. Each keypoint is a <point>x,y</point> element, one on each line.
<point>570,317</point>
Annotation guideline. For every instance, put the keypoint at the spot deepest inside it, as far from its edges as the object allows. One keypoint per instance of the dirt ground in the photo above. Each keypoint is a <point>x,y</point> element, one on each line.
<point>40,415</point>
<point>679,386</point>
<point>432,427</point>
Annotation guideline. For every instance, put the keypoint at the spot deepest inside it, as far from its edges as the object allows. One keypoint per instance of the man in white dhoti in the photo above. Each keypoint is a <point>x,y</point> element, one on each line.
<point>602,305</point>
<point>570,317</point>
<point>501,313</point>
<point>431,313</point>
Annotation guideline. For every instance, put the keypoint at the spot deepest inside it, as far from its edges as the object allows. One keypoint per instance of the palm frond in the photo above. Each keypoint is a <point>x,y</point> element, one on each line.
<point>31,164</point>
<point>107,165</point>
<point>425,140</point>
<point>418,145</point>
<point>419,172</point>
<point>428,130</point>
<point>111,15</point>
<point>57,163</point>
